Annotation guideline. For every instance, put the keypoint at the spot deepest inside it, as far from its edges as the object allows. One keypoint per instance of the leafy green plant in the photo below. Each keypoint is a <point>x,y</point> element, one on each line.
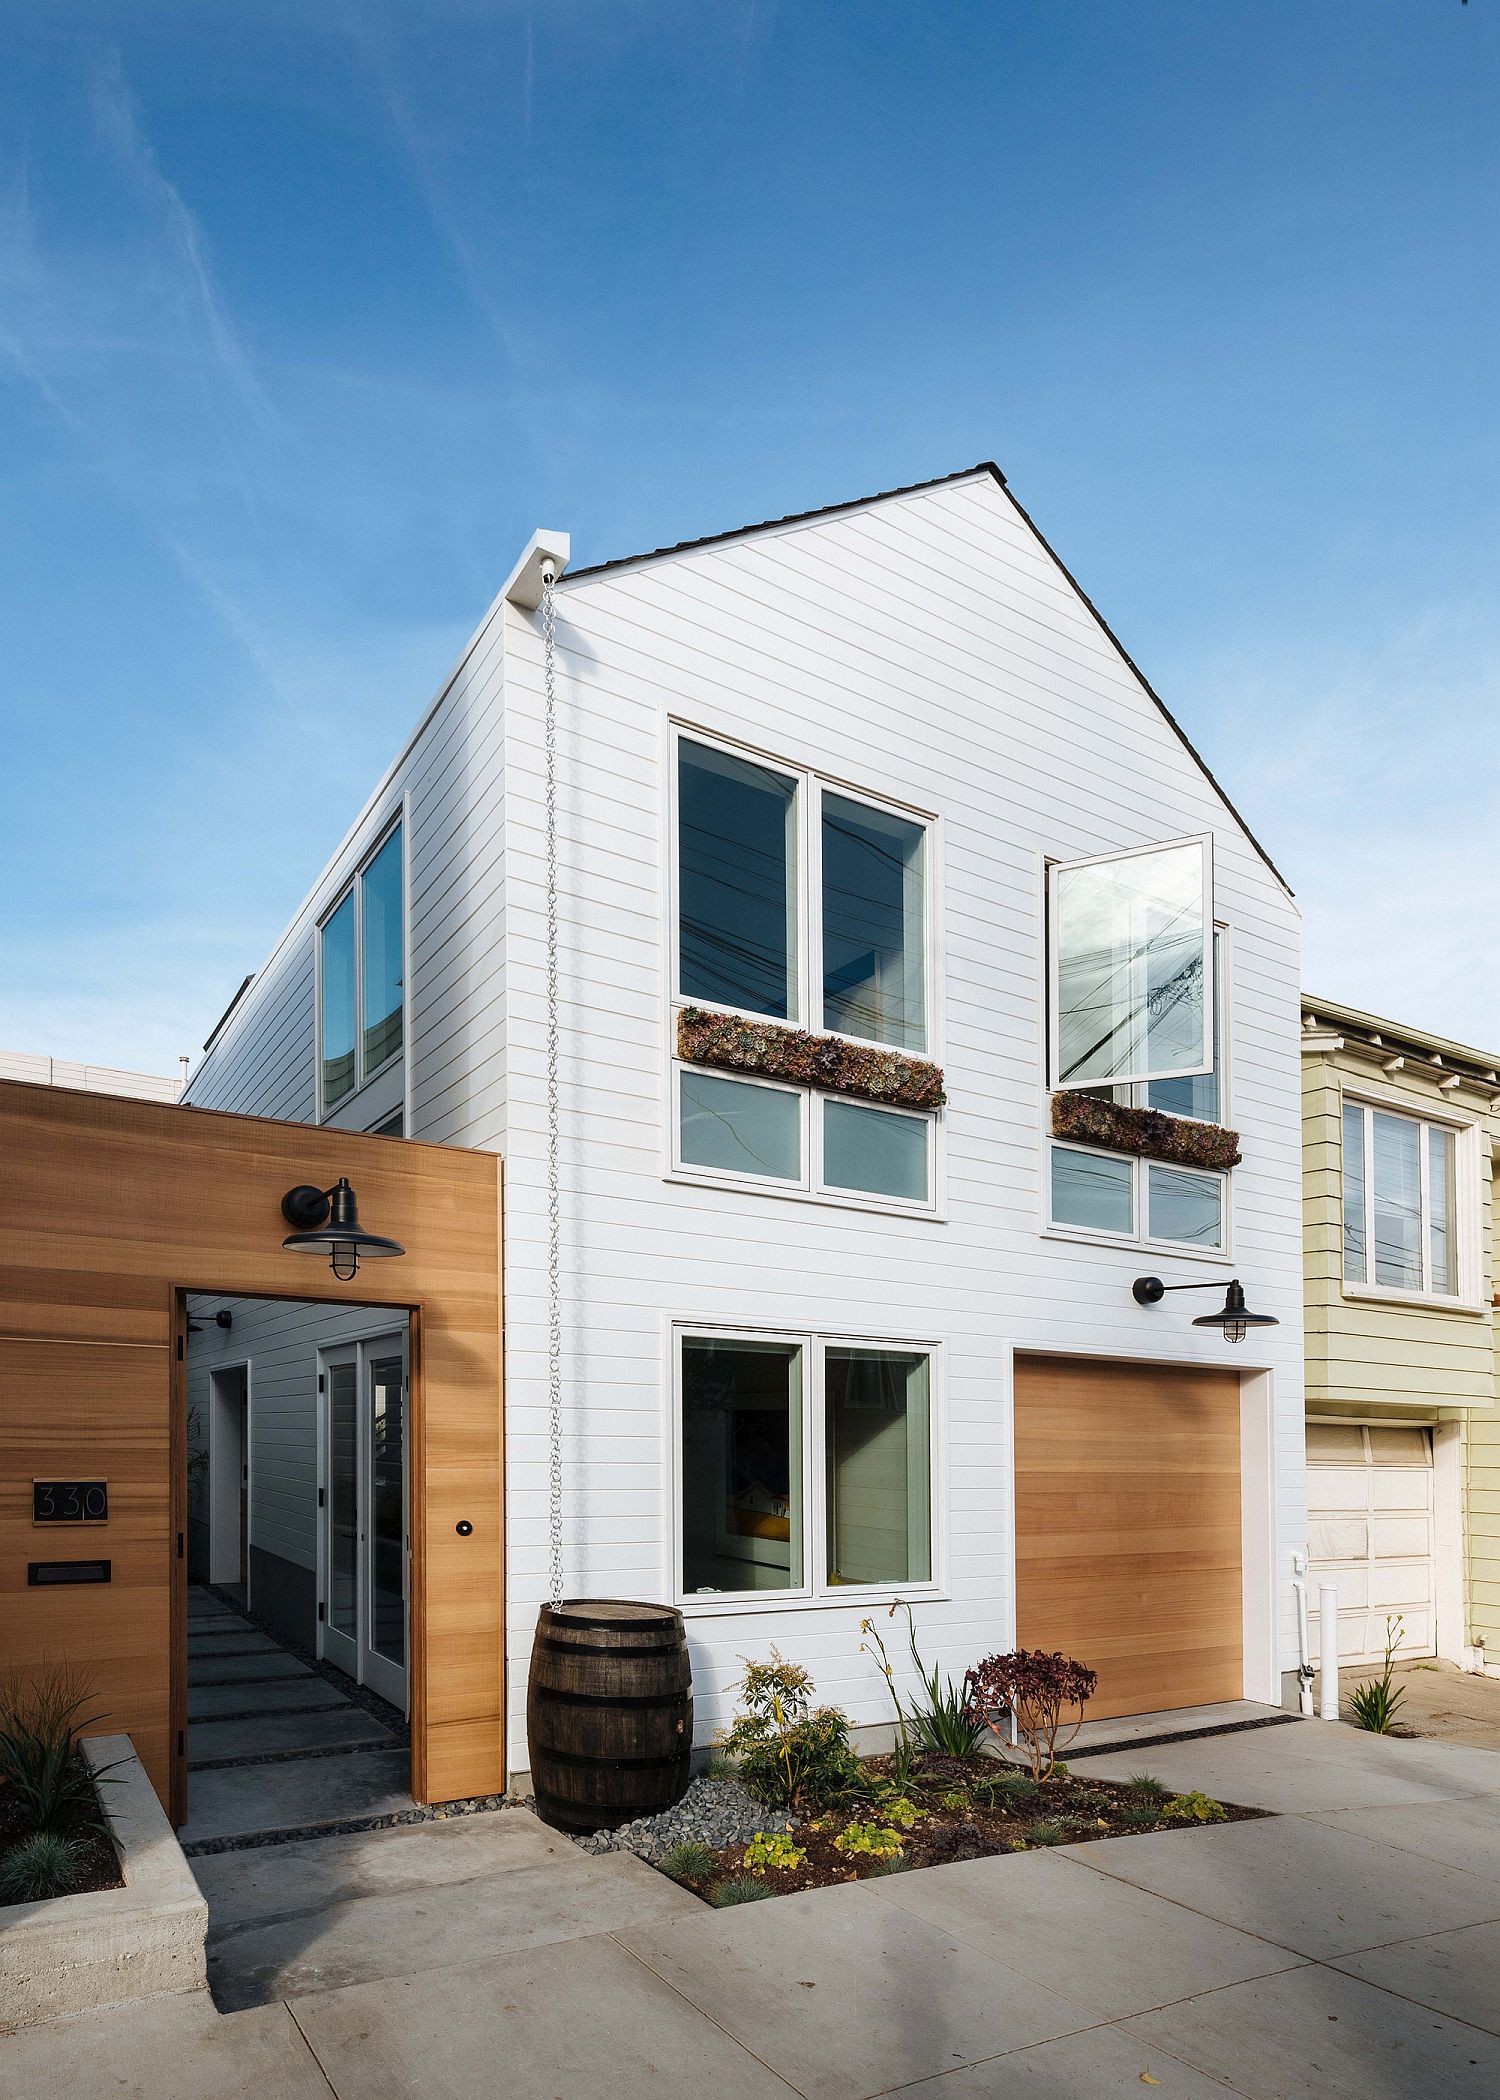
<point>1194,1808</point>
<point>1374,1705</point>
<point>689,1861</point>
<point>788,1753</point>
<point>903,1812</point>
<point>46,1864</point>
<point>1048,1831</point>
<point>1147,1783</point>
<point>741,1888</point>
<point>1037,1690</point>
<point>868,1841</point>
<point>773,1849</point>
<point>939,1721</point>
<point>41,1766</point>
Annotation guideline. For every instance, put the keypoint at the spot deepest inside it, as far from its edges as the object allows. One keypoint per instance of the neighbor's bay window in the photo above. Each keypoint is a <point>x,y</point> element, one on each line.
<point>1400,1202</point>
<point>804,1467</point>
<point>1131,965</point>
<point>361,972</point>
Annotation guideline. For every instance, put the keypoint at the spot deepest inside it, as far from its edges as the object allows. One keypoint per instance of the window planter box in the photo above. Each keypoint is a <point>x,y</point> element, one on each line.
<point>76,1953</point>
<point>733,1044</point>
<point>1177,1141</point>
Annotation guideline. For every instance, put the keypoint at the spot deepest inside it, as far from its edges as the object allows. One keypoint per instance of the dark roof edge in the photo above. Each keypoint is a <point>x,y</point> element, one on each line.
<point>796,517</point>
<point>218,1028</point>
<point>917,488</point>
<point>1151,693</point>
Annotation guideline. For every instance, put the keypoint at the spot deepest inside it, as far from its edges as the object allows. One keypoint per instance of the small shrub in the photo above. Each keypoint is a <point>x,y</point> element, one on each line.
<point>789,1754</point>
<point>1148,1784</point>
<point>1140,1815</point>
<point>955,1801</point>
<point>742,1888</point>
<point>1091,1801</point>
<point>950,1842</point>
<point>1193,1808</point>
<point>868,1841</point>
<point>773,1849</point>
<point>898,1863</point>
<point>46,1864</point>
<point>689,1861</point>
<point>1039,1690</point>
<point>1049,1831</point>
<point>1011,1794</point>
<point>1374,1705</point>
<point>41,1767</point>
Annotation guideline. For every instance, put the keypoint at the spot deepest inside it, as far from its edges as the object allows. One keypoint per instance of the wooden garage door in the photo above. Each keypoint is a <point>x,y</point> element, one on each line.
<point>1128,1527</point>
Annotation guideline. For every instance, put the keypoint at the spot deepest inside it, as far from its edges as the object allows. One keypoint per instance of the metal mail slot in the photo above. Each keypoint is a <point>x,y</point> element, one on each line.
<point>46,1574</point>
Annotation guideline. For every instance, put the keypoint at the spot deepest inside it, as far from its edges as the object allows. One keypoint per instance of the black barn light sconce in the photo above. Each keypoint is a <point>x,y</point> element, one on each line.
<point>1235,1319</point>
<point>327,1222</point>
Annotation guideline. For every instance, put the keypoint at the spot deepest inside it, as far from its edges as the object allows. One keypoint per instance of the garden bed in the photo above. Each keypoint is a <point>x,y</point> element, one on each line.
<point>95,1863</point>
<point>946,1809</point>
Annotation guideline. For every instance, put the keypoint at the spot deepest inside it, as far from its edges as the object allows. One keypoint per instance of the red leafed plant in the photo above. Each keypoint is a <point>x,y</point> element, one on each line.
<point>1038,1689</point>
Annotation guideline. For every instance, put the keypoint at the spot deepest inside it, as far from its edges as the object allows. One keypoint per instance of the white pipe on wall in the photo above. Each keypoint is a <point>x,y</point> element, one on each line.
<point>1328,1642</point>
<point>1304,1637</point>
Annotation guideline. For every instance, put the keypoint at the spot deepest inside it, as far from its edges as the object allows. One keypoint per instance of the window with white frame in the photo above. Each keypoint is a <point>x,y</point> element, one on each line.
<point>805,903</point>
<point>361,972</point>
<point>1131,965</point>
<point>805,1466</point>
<point>1401,1214</point>
<point>1113,1195</point>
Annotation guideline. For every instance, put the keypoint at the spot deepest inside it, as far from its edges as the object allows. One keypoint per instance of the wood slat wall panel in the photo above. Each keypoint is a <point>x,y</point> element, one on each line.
<point>109,1208</point>
<point>1128,1527</point>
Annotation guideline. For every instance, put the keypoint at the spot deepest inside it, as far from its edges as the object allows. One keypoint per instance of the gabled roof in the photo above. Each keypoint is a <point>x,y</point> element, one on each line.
<point>917,488</point>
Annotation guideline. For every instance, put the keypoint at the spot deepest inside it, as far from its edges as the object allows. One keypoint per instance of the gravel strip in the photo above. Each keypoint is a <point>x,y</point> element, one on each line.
<point>712,1812</point>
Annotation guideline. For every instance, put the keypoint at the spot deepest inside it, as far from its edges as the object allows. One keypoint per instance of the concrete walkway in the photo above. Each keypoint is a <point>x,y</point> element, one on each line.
<point>1441,1700</point>
<point>1347,1947</point>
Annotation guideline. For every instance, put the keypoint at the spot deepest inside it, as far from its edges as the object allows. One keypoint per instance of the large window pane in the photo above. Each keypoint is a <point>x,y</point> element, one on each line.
<point>1092,1191</point>
<point>737,882</point>
<point>1132,967</point>
<point>338,1004</point>
<point>875,1151</point>
<point>741,1466</point>
<point>1198,1096</point>
<point>739,1128</point>
<point>879,1438</point>
<point>381,887</point>
<point>343,1499</point>
<point>1187,1208</point>
<point>388,1509</point>
<point>1442,1243</point>
<point>1356,1259</point>
<point>873,924</point>
<point>1396,1145</point>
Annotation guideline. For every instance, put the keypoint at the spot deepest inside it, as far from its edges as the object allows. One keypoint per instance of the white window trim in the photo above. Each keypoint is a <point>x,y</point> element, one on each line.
<point>811,786</point>
<point>1139,1235</point>
<point>809,1187</point>
<point>1055,868</point>
<point>352,886</point>
<point>1467,1297</point>
<point>816,1592</point>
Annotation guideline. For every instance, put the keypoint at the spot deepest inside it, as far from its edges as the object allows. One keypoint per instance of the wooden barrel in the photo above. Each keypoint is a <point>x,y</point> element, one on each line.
<point>609,1712</point>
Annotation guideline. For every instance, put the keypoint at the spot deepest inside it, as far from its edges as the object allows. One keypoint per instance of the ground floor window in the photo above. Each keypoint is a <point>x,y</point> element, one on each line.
<point>805,1464</point>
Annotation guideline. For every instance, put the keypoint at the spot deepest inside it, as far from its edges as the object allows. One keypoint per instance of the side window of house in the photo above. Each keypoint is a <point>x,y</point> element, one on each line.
<point>1138,998</point>
<point>361,975</point>
<point>807,906</point>
<point>1401,1227</point>
<point>803,1469</point>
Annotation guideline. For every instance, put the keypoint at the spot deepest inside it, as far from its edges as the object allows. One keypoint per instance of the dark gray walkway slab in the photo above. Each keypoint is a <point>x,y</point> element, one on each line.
<point>205,1701</point>
<point>247,1669</point>
<point>293,1796</point>
<point>280,1734</point>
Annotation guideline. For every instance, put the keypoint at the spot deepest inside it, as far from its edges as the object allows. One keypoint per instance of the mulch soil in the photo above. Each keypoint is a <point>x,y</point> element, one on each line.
<point>966,1810</point>
<point>100,1867</point>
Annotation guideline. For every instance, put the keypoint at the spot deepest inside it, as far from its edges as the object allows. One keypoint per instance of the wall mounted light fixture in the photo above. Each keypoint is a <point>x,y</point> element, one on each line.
<point>327,1222</point>
<point>1235,1318</point>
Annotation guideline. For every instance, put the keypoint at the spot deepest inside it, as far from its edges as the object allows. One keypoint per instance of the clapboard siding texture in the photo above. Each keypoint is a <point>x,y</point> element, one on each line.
<point>924,647</point>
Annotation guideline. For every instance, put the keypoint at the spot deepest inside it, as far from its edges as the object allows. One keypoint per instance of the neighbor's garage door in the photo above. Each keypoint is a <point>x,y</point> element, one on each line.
<point>1128,1528</point>
<point>1369,1522</point>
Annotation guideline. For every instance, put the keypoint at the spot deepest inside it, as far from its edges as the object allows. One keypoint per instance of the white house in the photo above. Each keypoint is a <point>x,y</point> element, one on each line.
<point>838,773</point>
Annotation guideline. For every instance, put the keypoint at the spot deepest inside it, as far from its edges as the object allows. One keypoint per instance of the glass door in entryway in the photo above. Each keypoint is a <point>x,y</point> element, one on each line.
<point>365,1514</point>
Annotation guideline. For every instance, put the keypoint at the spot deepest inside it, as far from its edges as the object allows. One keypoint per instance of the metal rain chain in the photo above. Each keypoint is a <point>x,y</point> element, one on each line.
<point>554,1148</point>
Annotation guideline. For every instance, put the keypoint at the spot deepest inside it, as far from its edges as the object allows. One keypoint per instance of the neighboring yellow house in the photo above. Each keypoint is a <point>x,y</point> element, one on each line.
<point>1403,1444</point>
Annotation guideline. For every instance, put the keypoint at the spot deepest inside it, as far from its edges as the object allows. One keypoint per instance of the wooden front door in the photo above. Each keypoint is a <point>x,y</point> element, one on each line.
<point>1128,1527</point>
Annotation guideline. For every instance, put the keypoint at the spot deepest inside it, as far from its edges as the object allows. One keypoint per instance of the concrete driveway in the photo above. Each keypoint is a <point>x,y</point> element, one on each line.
<point>1350,1946</point>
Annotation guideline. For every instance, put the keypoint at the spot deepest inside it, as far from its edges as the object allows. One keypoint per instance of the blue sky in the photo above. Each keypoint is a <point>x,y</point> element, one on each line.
<point>309,315</point>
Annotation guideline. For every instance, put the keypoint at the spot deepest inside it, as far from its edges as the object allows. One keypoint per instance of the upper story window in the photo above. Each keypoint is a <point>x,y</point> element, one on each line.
<point>1401,1228</point>
<point>1131,966</point>
<point>798,901</point>
<point>361,973</point>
